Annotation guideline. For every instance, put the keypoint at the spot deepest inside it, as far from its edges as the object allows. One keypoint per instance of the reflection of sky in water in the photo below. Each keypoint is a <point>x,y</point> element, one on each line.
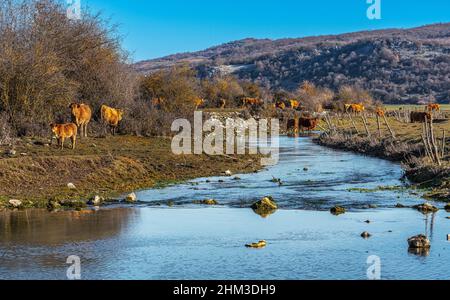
<point>208,243</point>
<point>329,177</point>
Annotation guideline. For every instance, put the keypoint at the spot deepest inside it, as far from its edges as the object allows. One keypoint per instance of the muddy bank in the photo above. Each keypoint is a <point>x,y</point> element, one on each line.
<point>436,178</point>
<point>107,167</point>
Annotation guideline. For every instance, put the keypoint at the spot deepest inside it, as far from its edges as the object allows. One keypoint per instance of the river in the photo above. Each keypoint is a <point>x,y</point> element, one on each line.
<point>153,240</point>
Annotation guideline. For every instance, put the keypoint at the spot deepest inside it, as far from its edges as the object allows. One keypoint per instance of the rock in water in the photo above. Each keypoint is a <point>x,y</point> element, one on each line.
<point>426,208</point>
<point>228,173</point>
<point>15,203</point>
<point>131,198</point>
<point>447,207</point>
<point>260,244</point>
<point>265,207</point>
<point>399,205</point>
<point>366,235</point>
<point>337,210</point>
<point>419,242</point>
<point>207,202</point>
<point>71,186</point>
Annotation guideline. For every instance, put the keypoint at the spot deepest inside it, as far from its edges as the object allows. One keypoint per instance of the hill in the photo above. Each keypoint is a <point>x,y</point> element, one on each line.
<point>396,65</point>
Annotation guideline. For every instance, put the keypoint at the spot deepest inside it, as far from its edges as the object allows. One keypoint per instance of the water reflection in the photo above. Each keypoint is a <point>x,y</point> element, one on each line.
<point>41,228</point>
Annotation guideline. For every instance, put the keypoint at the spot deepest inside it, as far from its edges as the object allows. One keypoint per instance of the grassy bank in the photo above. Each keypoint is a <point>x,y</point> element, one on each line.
<point>406,148</point>
<point>108,167</point>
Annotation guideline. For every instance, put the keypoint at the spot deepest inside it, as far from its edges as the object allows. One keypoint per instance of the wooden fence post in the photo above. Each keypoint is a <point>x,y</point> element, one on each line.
<point>389,127</point>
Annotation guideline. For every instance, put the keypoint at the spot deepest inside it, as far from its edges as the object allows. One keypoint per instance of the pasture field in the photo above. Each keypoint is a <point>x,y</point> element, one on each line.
<point>410,132</point>
<point>444,107</point>
<point>107,167</point>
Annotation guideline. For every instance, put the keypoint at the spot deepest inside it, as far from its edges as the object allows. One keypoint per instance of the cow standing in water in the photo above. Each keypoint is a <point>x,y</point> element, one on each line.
<point>82,115</point>
<point>112,117</point>
<point>302,124</point>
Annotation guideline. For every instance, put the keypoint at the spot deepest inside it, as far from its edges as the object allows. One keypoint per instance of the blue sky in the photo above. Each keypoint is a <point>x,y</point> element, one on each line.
<point>157,28</point>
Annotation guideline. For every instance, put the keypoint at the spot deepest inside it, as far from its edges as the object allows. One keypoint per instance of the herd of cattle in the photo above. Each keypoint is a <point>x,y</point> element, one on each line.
<point>82,115</point>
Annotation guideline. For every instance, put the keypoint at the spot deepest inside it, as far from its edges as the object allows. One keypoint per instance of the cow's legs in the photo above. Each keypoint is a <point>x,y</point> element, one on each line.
<point>85,129</point>
<point>80,128</point>
<point>74,140</point>
<point>62,143</point>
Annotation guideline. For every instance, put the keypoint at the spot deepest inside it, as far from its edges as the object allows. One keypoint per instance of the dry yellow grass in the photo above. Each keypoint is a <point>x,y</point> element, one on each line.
<point>403,131</point>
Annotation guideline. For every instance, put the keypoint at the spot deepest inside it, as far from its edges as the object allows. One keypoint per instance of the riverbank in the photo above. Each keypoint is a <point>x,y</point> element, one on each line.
<point>407,149</point>
<point>36,173</point>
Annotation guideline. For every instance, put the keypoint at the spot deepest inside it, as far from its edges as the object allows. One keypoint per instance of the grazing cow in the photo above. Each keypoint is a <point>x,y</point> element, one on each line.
<point>380,112</point>
<point>303,124</point>
<point>198,102</point>
<point>63,131</point>
<point>82,115</point>
<point>433,107</point>
<point>355,108</point>
<point>420,117</point>
<point>308,124</point>
<point>294,104</point>
<point>280,104</point>
<point>112,117</point>
<point>246,101</point>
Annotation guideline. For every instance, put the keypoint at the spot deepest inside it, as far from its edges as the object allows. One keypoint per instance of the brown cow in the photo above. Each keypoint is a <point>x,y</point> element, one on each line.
<point>294,104</point>
<point>63,131</point>
<point>303,124</point>
<point>420,117</point>
<point>355,108</point>
<point>112,117</point>
<point>308,123</point>
<point>246,101</point>
<point>433,107</point>
<point>380,112</point>
<point>82,115</point>
<point>198,102</point>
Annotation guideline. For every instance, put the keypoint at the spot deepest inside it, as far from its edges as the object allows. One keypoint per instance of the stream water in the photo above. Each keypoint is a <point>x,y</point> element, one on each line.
<point>187,241</point>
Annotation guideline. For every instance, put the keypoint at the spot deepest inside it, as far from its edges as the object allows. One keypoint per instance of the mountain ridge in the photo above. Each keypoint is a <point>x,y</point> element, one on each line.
<point>391,63</point>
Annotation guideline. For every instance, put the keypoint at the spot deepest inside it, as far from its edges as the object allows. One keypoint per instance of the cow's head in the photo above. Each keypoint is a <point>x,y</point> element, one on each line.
<point>74,106</point>
<point>54,127</point>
